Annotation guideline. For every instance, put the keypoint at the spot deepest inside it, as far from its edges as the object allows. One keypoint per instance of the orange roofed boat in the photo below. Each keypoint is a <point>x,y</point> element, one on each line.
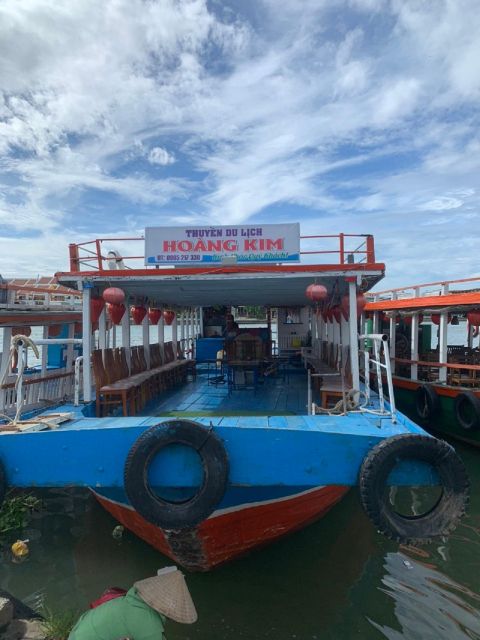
<point>436,360</point>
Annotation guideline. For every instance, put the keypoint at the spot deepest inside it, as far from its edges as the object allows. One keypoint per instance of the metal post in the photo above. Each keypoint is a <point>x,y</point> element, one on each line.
<point>352,299</point>
<point>126,342</point>
<point>146,339</point>
<point>182,331</point>
<point>174,335</point>
<point>200,322</point>
<point>376,322</point>
<point>161,335</point>
<point>414,347</point>
<point>442,345</point>
<point>76,393</point>
<point>102,330</point>
<point>309,392</point>
<point>44,364</point>
<point>87,343</point>
<point>393,337</point>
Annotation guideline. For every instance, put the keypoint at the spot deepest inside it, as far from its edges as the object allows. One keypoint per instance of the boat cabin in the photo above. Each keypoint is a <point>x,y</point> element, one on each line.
<point>171,340</point>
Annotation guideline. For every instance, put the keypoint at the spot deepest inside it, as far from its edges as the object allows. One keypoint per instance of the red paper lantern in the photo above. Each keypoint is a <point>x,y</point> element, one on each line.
<point>337,313</point>
<point>114,295</point>
<point>361,302</point>
<point>138,314</point>
<point>154,315</point>
<point>435,318</point>
<point>473,318</point>
<point>316,292</point>
<point>116,311</point>
<point>168,316</point>
<point>22,331</point>
<point>96,308</point>
<point>54,330</point>
<point>408,319</point>
<point>78,328</point>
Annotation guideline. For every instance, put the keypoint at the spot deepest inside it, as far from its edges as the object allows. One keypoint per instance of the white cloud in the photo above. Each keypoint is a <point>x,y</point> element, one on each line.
<point>307,105</point>
<point>158,155</point>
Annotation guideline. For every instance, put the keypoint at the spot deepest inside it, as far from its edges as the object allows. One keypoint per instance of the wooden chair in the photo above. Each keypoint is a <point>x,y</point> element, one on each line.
<point>121,392</point>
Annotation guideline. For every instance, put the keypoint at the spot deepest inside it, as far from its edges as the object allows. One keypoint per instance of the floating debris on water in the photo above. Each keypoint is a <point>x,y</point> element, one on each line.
<point>20,549</point>
<point>117,533</point>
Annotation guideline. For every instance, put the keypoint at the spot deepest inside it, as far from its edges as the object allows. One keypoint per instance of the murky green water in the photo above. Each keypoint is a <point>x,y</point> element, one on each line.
<point>338,579</point>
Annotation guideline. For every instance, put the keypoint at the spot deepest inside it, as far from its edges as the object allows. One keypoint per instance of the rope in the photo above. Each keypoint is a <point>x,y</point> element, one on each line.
<point>15,343</point>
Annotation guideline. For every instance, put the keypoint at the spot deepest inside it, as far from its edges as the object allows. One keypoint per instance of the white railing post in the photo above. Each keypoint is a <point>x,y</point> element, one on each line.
<point>161,335</point>
<point>174,336</point>
<point>87,342</point>
<point>442,346</point>
<point>146,339</point>
<point>126,337</point>
<point>354,364</point>
<point>76,393</point>
<point>414,347</point>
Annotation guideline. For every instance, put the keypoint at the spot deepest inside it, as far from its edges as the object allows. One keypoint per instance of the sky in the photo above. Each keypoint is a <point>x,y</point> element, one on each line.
<point>354,116</point>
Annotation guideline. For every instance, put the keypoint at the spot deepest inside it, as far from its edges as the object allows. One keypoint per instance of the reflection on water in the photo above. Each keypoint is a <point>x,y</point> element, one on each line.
<point>427,603</point>
<point>338,579</point>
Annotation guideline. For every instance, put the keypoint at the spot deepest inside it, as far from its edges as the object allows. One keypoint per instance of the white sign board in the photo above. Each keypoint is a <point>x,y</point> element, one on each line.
<point>212,245</point>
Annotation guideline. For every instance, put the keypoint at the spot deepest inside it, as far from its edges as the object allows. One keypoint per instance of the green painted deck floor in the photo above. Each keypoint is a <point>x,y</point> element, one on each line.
<point>208,395</point>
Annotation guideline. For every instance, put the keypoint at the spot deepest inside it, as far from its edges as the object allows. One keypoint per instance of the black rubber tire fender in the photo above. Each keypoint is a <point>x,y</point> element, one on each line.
<point>467,410</point>
<point>444,515</point>
<point>214,459</point>
<point>427,402</point>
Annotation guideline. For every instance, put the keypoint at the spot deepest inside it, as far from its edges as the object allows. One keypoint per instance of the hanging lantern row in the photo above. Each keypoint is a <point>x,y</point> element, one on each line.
<point>115,298</point>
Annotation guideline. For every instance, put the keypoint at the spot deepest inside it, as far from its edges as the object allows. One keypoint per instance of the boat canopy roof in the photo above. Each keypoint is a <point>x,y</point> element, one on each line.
<point>270,285</point>
<point>452,302</point>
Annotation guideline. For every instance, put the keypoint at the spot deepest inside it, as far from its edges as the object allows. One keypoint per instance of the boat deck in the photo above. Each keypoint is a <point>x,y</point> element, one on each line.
<point>212,395</point>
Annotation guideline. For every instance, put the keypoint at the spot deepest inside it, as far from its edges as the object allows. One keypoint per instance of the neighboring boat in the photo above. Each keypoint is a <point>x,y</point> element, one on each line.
<point>436,364</point>
<point>209,439</point>
<point>51,315</point>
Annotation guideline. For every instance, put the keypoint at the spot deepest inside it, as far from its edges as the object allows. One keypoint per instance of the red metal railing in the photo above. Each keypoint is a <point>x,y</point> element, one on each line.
<point>442,287</point>
<point>92,256</point>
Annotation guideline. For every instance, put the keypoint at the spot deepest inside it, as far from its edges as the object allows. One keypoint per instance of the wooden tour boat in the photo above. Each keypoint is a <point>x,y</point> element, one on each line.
<point>208,438</point>
<point>436,361</point>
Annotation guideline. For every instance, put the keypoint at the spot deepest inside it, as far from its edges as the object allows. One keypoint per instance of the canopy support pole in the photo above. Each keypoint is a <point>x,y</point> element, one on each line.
<point>352,299</point>
<point>87,343</point>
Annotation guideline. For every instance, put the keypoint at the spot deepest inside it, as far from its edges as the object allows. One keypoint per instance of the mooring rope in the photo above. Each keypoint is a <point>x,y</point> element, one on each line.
<point>16,342</point>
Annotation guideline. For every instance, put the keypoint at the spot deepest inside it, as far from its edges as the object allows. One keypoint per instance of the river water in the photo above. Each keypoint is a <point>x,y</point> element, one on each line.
<point>337,579</point>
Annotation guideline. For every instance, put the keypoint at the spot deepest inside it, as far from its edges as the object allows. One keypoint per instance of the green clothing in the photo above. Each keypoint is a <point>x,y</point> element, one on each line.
<point>125,617</point>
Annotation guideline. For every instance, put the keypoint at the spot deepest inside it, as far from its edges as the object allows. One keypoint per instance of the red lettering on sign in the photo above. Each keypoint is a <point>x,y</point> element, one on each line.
<point>185,245</point>
<point>200,246</point>
<point>169,246</point>
<point>250,245</point>
<point>275,244</point>
<point>214,245</point>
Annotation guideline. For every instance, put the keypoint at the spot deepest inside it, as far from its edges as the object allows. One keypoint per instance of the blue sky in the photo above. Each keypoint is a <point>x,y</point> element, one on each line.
<point>359,116</point>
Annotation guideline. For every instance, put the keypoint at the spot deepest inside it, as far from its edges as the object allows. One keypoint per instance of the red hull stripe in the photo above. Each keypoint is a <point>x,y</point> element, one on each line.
<point>233,531</point>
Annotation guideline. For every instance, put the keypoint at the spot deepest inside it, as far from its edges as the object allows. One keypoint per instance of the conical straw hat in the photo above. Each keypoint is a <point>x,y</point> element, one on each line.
<point>168,593</point>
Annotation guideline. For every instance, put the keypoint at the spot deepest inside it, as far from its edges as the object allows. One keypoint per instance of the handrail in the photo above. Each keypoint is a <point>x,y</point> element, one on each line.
<point>438,365</point>
<point>29,381</point>
<point>415,287</point>
<point>94,258</point>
